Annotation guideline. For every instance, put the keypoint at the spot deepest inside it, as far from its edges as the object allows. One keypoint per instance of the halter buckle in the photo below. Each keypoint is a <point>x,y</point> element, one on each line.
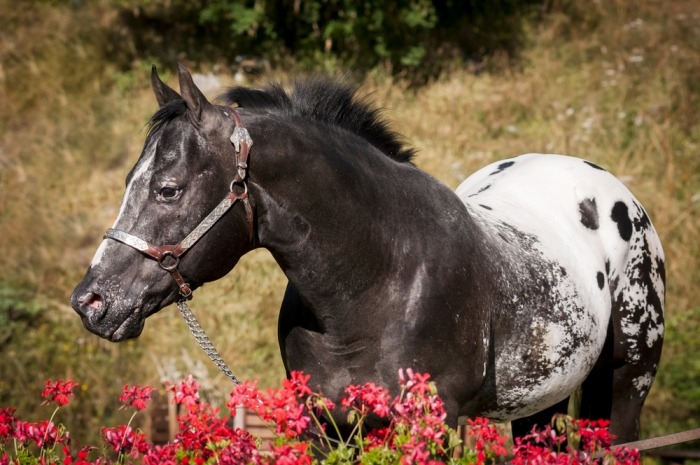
<point>186,292</point>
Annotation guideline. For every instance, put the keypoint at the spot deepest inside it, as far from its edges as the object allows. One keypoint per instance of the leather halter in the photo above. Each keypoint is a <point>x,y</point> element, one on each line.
<point>168,256</point>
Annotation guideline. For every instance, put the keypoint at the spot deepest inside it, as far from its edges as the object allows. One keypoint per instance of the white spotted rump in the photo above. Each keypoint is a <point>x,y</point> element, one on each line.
<point>586,241</point>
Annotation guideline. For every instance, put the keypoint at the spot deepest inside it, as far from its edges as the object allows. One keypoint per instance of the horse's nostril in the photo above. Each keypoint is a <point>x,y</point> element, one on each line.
<point>92,306</point>
<point>93,301</point>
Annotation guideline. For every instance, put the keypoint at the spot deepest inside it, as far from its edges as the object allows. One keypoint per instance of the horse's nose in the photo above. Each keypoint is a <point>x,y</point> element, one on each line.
<point>90,305</point>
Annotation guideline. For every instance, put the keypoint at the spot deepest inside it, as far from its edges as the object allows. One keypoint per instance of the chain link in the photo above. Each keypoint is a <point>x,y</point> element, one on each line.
<point>203,340</point>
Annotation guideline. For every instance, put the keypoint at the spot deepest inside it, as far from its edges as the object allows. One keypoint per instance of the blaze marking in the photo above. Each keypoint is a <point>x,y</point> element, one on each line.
<point>97,258</point>
<point>143,168</point>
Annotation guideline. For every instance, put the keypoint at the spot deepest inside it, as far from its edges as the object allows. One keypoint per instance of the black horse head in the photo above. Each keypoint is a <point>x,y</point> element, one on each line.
<point>186,168</point>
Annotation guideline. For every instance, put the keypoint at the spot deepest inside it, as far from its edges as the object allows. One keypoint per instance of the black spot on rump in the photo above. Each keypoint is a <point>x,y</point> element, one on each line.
<point>661,267</point>
<point>503,166</point>
<point>589,213</point>
<point>481,190</point>
<point>485,206</point>
<point>620,215</point>
<point>601,280</point>
<point>593,165</point>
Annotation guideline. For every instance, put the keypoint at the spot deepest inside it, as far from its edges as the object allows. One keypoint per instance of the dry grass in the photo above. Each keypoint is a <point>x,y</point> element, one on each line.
<point>615,83</point>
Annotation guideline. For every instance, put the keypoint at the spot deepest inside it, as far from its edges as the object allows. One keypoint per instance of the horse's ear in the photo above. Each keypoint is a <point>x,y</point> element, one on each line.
<point>196,102</point>
<point>164,94</point>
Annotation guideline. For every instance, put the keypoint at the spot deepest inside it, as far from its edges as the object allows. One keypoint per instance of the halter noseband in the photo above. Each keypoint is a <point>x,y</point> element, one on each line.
<point>168,256</point>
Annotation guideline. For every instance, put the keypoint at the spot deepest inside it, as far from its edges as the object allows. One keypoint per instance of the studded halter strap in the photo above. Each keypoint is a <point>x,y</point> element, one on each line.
<point>168,256</point>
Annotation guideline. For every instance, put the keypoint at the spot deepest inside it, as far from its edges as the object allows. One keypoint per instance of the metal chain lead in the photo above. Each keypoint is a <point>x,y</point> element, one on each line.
<point>203,340</point>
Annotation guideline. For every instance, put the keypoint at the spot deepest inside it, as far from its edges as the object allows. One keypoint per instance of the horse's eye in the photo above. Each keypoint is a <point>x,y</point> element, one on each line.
<point>168,193</point>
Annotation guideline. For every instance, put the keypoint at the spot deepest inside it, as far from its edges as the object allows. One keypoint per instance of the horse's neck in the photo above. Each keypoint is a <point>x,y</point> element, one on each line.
<point>350,231</point>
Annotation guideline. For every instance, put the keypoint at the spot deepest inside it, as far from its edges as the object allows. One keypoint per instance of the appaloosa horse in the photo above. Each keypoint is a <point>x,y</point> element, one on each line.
<point>541,274</point>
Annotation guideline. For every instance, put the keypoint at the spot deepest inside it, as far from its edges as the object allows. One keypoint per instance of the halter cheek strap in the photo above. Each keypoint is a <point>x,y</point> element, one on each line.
<point>168,256</point>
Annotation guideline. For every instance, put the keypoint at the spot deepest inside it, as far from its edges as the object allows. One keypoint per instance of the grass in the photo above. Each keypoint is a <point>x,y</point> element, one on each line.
<point>613,82</point>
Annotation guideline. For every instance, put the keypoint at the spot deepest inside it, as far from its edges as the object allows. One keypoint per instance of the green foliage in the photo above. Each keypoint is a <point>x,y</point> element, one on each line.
<point>242,19</point>
<point>415,38</point>
<point>681,373</point>
<point>18,311</point>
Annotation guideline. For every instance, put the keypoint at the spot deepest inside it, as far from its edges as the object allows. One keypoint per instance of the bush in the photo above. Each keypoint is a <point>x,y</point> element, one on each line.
<point>417,38</point>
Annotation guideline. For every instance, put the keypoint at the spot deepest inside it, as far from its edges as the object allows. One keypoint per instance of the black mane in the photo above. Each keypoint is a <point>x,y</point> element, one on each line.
<point>318,99</point>
<point>329,102</point>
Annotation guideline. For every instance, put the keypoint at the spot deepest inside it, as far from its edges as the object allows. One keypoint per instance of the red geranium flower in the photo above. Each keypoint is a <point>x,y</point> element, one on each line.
<point>136,396</point>
<point>124,439</point>
<point>297,383</point>
<point>58,391</point>
<point>186,392</point>
<point>366,398</point>
<point>7,422</point>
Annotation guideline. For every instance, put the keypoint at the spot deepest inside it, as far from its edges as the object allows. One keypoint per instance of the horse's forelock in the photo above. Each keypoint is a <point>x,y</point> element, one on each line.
<point>165,114</point>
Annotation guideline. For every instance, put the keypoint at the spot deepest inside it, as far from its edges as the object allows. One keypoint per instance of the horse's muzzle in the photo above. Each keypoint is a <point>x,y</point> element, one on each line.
<point>104,320</point>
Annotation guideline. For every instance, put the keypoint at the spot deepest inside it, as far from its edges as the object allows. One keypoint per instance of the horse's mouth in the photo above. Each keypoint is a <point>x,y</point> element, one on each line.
<point>130,328</point>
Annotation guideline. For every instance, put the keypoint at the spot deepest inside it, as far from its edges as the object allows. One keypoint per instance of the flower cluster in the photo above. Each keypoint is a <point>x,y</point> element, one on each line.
<point>489,442</point>
<point>571,441</point>
<point>136,396</point>
<point>406,429</point>
<point>43,433</point>
<point>284,407</point>
<point>58,392</point>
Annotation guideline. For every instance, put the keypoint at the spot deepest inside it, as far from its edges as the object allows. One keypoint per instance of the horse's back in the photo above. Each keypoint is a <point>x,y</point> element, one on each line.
<point>580,238</point>
<point>581,214</point>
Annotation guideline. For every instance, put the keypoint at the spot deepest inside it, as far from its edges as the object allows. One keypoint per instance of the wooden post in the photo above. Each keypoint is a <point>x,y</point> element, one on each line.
<point>172,417</point>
